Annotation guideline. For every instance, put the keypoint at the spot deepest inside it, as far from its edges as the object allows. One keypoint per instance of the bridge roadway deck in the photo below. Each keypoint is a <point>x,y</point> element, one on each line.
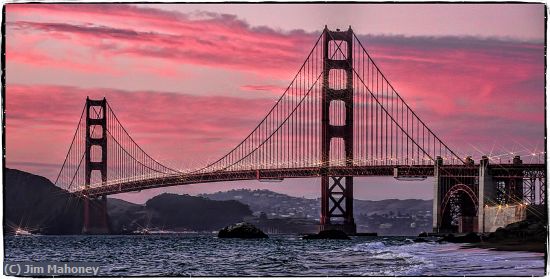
<point>282,173</point>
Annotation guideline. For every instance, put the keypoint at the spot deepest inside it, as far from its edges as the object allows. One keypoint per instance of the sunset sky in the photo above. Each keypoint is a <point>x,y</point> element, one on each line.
<point>189,82</point>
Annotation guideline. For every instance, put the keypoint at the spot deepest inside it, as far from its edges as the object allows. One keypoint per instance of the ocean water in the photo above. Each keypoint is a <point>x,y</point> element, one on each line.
<point>280,255</point>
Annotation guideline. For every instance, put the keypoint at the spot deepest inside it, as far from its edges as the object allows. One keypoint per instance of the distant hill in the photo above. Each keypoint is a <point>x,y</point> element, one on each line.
<point>270,202</point>
<point>176,212</point>
<point>281,204</point>
<point>125,215</point>
<point>408,206</point>
<point>387,217</point>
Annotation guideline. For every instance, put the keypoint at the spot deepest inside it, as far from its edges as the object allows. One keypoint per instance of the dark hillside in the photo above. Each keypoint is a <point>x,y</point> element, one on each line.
<point>172,211</point>
<point>33,202</point>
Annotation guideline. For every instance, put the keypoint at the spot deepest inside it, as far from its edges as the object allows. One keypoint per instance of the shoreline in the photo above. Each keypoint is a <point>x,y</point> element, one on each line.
<point>537,247</point>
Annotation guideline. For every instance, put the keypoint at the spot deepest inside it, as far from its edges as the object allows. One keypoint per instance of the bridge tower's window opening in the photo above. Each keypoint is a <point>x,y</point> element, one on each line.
<point>96,154</point>
<point>95,177</point>
<point>96,131</point>
<point>337,79</point>
<point>96,112</point>
<point>337,113</point>
<point>338,50</point>
<point>337,152</point>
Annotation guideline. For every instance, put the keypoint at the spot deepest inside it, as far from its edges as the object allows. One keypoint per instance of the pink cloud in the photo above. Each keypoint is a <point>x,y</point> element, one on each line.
<point>43,60</point>
<point>453,76</point>
<point>264,88</point>
<point>214,40</point>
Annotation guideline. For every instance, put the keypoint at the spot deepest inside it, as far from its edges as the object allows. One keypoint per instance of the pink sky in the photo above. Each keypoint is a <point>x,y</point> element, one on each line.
<point>474,73</point>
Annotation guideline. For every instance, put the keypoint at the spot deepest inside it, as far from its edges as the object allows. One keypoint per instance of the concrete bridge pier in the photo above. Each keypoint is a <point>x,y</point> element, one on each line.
<point>501,195</point>
<point>96,219</point>
<point>437,195</point>
<point>337,204</point>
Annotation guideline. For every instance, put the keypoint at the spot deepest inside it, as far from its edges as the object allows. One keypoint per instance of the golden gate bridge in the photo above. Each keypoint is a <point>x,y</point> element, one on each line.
<point>338,119</point>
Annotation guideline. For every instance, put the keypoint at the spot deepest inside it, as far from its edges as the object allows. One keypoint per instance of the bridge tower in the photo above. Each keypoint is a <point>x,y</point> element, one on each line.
<point>337,191</point>
<point>95,210</point>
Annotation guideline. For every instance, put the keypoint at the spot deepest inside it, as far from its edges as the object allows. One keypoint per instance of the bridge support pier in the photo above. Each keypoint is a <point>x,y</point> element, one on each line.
<point>96,219</point>
<point>437,196</point>
<point>486,194</point>
<point>337,204</point>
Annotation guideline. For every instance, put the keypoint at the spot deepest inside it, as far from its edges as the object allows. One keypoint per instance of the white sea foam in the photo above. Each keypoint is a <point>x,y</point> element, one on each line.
<point>369,246</point>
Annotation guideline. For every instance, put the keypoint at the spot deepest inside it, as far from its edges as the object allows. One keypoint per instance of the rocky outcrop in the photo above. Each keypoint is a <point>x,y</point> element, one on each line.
<point>526,235</point>
<point>468,238</point>
<point>366,234</point>
<point>421,239</point>
<point>531,230</point>
<point>241,230</point>
<point>327,234</point>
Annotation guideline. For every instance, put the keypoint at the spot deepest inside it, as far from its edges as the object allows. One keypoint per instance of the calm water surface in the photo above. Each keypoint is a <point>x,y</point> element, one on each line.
<point>206,255</point>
